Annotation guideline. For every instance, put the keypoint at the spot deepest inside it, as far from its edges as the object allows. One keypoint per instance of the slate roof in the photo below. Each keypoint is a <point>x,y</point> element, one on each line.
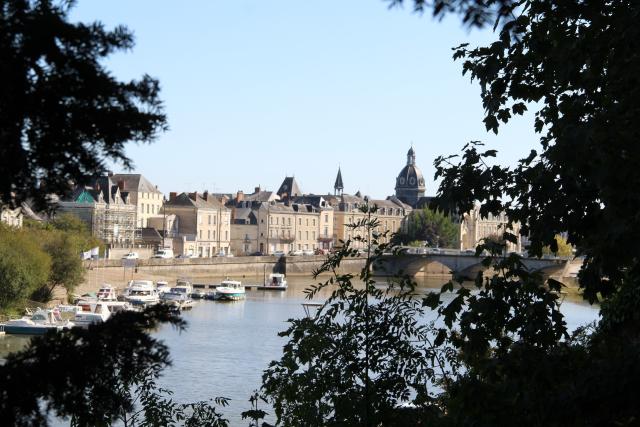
<point>134,182</point>
<point>195,200</point>
<point>289,187</point>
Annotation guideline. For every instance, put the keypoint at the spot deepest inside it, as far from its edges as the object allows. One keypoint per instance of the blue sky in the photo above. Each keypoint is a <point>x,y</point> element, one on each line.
<point>258,89</point>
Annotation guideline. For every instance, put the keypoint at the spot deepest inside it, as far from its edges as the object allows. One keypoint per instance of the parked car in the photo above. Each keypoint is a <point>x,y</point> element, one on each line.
<point>308,252</point>
<point>278,253</point>
<point>257,253</point>
<point>131,255</point>
<point>297,252</point>
<point>185,256</point>
<point>163,253</point>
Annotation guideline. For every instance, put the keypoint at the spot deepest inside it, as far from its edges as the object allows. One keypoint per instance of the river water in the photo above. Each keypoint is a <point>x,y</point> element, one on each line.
<point>228,344</point>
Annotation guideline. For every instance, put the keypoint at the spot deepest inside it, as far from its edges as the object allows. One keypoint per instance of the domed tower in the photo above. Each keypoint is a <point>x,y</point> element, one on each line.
<point>410,182</point>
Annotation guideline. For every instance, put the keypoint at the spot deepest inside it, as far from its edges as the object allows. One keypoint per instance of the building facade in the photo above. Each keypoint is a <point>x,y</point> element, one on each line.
<point>201,224</point>
<point>144,195</point>
<point>105,209</point>
<point>474,228</point>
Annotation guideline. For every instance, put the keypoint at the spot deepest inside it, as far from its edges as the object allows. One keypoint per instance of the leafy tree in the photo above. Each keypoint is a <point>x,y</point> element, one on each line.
<point>62,114</point>
<point>24,266</point>
<point>563,248</point>
<point>362,356</point>
<point>97,376</point>
<point>433,227</point>
<point>577,63</point>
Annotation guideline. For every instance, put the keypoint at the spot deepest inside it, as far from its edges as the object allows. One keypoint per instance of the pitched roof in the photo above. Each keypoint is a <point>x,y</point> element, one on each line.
<point>338,185</point>
<point>195,200</point>
<point>289,188</point>
<point>134,182</point>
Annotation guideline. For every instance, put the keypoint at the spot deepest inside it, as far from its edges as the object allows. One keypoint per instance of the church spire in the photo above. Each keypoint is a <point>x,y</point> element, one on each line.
<point>411,156</point>
<point>338,186</point>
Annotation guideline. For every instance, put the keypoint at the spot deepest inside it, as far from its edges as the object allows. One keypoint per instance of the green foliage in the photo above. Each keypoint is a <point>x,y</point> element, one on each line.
<point>62,114</point>
<point>561,248</point>
<point>433,227</point>
<point>98,376</point>
<point>362,356</point>
<point>24,266</point>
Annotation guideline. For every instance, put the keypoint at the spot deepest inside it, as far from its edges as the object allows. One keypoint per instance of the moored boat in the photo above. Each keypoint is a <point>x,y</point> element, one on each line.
<point>142,292</point>
<point>107,293</point>
<point>230,290</point>
<point>39,323</point>
<point>275,282</point>
<point>94,313</point>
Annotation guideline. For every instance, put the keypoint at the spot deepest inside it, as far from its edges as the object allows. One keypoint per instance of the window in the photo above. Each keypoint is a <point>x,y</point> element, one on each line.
<point>215,220</point>
<point>200,234</point>
<point>326,232</point>
<point>326,217</point>
<point>299,235</point>
<point>307,221</point>
<point>314,222</point>
<point>214,234</point>
<point>314,235</point>
<point>141,207</point>
<point>288,221</point>
<point>289,233</point>
<point>226,235</point>
<point>270,220</point>
<point>147,208</point>
<point>307,233</point>
<point>209,220</point>
<point>208,234</point>
<point>299,221</point>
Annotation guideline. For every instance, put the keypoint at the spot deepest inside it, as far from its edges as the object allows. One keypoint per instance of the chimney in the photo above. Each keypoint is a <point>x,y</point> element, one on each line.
<point>193,196</point>
<point>172,196</point>
<point>239,196</point>
<point>257,189</point>
<point>205,195</point>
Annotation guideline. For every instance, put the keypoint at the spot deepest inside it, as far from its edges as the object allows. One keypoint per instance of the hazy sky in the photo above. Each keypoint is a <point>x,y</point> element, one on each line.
<point>259,89</point>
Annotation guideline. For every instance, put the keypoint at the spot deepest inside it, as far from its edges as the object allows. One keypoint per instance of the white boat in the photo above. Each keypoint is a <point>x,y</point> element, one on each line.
<point>107,293</point>
<point>142,292</point>
<point>162,286</point>
<point>38,323</point>
<point>275,282</point>
<point>179,296</point>
<point>90,314</point>
<point>230,290</point>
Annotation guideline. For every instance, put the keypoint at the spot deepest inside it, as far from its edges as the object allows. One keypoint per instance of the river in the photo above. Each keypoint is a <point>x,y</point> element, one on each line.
<point>228,344</point>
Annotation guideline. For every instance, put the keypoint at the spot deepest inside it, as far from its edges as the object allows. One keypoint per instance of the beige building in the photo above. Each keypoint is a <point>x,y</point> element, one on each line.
<point>244,231</point>
<point>144,195</point>
<point>11,217</point>
<point>105,209</point>
<point>390,216</point>
<point>201,226</point>
<point>474,228</point>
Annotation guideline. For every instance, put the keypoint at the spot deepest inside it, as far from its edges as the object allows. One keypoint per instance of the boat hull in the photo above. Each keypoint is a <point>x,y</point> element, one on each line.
<point>30,330</point>
<point>230,296</point>
<point>272,288</point>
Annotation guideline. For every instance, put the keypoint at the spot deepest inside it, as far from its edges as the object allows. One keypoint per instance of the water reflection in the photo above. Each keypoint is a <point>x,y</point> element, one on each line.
<point>228,344</point>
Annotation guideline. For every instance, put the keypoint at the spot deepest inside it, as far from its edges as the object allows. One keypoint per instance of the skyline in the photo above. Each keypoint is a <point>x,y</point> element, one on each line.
<point>257,92</point>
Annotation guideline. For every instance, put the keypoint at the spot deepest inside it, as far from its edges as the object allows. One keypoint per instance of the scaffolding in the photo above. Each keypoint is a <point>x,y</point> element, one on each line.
<point>115,224</point>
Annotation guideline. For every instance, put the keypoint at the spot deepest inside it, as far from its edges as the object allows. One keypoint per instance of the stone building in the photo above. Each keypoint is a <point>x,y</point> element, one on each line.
<point>474,228</point>
<point>201,224</point>
<point>390,216</point>
<point>410,186</point>
<point>143,194</point>
<point>106,210</point>
<point>244,231</point>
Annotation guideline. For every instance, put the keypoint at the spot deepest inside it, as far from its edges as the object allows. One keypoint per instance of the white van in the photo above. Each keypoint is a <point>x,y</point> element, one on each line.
<point>163,253</point>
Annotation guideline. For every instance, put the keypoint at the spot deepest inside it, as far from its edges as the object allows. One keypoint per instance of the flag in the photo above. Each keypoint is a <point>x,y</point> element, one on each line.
<point>95,252</point>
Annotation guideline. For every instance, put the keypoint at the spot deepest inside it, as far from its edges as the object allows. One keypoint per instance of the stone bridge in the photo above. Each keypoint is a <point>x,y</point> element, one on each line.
<point>459,263</point>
